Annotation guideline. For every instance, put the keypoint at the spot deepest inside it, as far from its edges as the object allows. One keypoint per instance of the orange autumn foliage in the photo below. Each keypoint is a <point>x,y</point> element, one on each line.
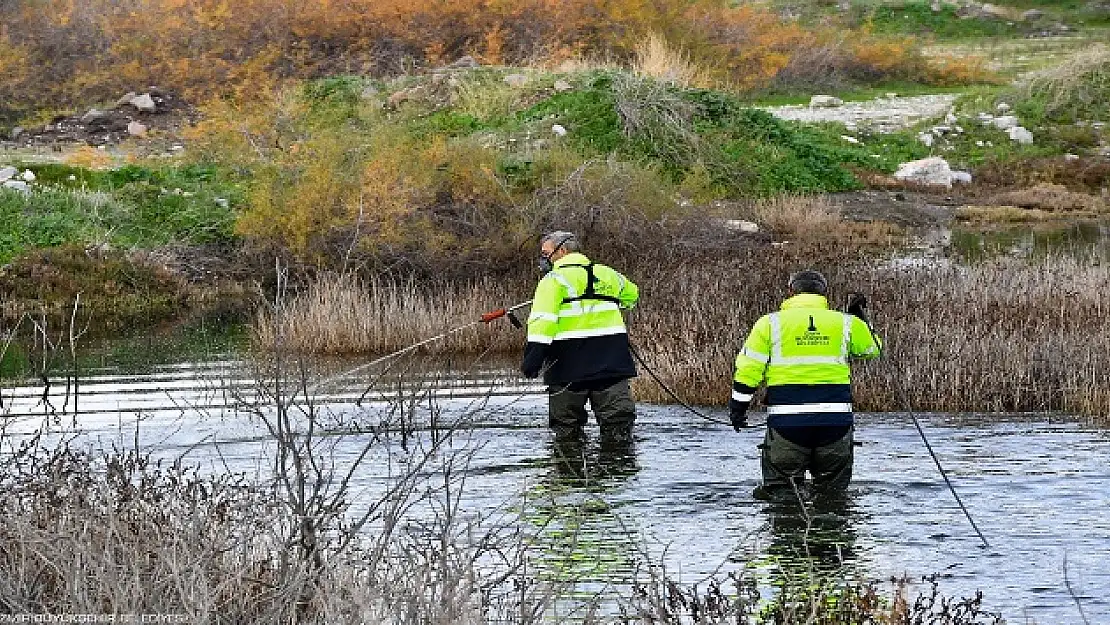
<point>84,51</point>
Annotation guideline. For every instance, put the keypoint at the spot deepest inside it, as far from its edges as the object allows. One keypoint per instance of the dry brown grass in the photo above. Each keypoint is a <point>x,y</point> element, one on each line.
<point>1052,197</point>
<point>792,217</point>
<point>657,58</point>
<point>1005,335</point>
<point>345,315</point>
<point>1002,335</point>
<point>1001,214</point>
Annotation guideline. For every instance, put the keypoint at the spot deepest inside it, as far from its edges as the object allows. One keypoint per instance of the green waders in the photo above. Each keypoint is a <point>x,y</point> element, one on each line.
<point>612,406</point>
<point>785,464</point>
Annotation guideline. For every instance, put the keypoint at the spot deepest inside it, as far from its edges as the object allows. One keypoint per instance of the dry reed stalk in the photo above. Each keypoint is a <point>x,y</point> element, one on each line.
<point>344,315</point>
<point>656,58</point>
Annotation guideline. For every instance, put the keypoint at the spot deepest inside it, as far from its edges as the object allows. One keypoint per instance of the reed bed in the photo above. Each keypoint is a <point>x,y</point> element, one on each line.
<point>1002,336</point>
<point>341,314</point>
<point>1005,335</point>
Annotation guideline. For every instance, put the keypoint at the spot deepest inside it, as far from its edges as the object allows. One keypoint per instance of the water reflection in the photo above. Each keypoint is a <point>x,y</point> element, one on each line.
<point>811,538</point>
<point>581,540</point>
<point>1026,241</point>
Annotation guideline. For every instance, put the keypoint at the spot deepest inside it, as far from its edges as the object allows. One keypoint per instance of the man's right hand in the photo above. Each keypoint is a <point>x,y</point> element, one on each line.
<point>857,305</point>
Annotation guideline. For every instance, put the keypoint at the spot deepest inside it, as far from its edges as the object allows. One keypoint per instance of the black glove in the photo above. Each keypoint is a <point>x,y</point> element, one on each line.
<point>534,356</point>
<point>857,305</point>
<point>739,419</point>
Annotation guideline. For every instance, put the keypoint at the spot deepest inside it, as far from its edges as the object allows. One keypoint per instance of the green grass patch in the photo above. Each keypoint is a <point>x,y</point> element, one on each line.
<point>130,207</point>
<point>919,18</point>
<point>740,150</point>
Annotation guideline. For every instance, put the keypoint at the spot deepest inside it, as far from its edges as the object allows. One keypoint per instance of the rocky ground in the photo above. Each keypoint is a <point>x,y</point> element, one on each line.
<point>883,114</point>
<point>148,114</point>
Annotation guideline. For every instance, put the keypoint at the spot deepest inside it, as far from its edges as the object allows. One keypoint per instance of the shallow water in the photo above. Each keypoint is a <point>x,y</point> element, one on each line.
<point>1039,490</point>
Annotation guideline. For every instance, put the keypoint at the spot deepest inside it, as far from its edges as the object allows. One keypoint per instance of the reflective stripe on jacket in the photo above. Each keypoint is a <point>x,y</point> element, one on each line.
<point>802,353</point>
<point>586,339</point>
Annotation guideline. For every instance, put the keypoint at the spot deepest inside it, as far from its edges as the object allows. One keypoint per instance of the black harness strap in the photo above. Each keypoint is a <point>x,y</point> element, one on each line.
<point>590,292</point>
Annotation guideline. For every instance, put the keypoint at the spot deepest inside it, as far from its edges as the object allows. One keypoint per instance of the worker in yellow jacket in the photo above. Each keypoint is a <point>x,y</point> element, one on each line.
<point>577,339</point>
<point>802,353</point>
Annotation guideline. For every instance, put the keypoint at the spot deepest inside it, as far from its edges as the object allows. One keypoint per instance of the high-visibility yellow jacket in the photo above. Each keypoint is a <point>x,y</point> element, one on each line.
<point>578,332</point>
<point>802,353</point>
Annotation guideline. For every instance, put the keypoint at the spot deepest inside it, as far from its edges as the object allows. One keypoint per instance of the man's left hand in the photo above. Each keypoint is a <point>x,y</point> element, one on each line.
<point>739,419</point>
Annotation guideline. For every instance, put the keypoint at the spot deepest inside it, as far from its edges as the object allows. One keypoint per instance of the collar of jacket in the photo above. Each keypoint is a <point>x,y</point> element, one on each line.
<point>574,258</point>
<point>806,300</point>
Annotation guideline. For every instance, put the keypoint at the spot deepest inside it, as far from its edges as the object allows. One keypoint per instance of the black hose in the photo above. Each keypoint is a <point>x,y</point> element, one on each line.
<point>903,398</point>
<point>668,390</point>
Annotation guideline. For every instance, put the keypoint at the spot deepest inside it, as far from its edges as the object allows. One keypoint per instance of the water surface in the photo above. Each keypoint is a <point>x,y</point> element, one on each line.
<point>681,493</point>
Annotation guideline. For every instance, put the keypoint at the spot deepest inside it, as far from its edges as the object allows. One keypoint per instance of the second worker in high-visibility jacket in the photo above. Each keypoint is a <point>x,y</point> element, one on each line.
<point>802,353</point>
<point>577,338</point>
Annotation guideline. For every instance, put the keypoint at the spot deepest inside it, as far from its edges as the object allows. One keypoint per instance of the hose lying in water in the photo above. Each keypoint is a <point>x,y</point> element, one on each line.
<point>903,398</point>
<point>671,393</point>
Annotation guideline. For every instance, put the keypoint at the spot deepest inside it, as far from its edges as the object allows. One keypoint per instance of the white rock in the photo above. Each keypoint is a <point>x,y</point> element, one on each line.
<point>980,143</point>
<point>941,130</point>
<point>559,130</point>
<point>28,175</point>
<point>72,178</point>
<point>223,202</point>
<point>1098,125</point>
<point>1020,135</point>
<point>562,86</point>
<point>93,116</point>
<point>7,173</point>
<point>927,138</point>
<point>176,148</point>
<point>17,185</point>
<point>465,62</point>
<point>1002,107</point>
<point>126,99</point>
<point>825,102</point>
<point>144,103</point>
<point>740,225</point>
<point>1006,122</point>
<point>136,129</point>
<point>516,80</point>
<point>1071,158</point>
<point>852,140</point>
<point>962,177</point>
<point>17,132</point>
<point>933,171</point>
<point>951,118</point>
<point>891,95</point>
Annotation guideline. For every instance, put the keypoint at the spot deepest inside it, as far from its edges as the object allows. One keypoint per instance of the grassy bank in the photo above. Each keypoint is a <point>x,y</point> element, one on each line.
<point>97,52</point>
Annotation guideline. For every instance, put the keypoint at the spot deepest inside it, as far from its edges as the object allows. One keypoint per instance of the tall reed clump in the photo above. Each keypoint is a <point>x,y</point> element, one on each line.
<point>341,314</point>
